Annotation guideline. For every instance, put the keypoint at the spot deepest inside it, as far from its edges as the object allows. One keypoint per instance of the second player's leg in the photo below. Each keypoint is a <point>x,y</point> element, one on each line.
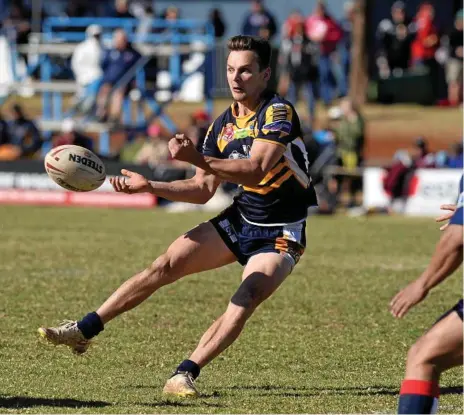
<point>262,276</point>
<point>198,250</point>
<point>437,350</point>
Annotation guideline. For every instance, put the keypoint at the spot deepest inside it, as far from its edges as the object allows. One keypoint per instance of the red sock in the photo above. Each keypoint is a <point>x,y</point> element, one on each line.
<point>418,397</point>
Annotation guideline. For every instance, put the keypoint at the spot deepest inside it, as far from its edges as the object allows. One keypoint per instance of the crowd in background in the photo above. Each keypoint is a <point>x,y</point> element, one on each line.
<point>313,60</point>
<point>410,43</point>
<point>314,49</point>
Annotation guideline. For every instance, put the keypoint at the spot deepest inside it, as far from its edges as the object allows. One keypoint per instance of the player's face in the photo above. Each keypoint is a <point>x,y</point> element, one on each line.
<point>246,81</point>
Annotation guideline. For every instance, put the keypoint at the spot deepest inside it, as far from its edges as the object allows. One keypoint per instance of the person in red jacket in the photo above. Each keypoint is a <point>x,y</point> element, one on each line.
<point>324,30</point>
<point>425,44</point>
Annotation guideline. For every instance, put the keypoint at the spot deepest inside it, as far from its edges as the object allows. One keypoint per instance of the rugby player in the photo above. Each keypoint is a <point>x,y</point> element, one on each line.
<point>255,143</point>
<point>440,348</point>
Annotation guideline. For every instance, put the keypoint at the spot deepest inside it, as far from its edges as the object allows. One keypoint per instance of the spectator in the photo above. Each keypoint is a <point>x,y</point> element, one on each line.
<point>23,137</point>
<point>350,143</point>
<point>171,14</point>
<point>455,157</point>
<point>154,152</point>
<point>288,29</point>
<point>293,20</point>
<point>18,22</point>
<point>122,9</point>
<point>421,157</point>
<point>425,44</point>
<point>345,46</point>
<point>78,8</point>
<point>350,135</point>
<point>454,64</point>
<point>115,65</point>
<point>86,63</point>
<point>138,8</point>
<point>321,28</point>
<point>146,21</point>
<point>324,146</point>
<point>4,133</point>
<point>216,19</point>
<point>199,123</point>
<point>395,36</point>
<point>258,18</point>
<point>301,61</point>
<point>71,136</point>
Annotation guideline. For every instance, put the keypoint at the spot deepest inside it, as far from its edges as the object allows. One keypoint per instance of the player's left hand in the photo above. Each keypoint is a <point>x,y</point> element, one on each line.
<point>446,216</point>
<point>182,148</point>
<point>407,298</point>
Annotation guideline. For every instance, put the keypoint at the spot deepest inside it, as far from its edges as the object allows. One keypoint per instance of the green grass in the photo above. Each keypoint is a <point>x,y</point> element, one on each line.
<point>324,343</point>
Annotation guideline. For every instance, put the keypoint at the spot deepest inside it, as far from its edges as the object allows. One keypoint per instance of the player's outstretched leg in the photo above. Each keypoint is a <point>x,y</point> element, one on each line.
<point>261,277</point>
<point>189,254</point>
<point>436,351</point>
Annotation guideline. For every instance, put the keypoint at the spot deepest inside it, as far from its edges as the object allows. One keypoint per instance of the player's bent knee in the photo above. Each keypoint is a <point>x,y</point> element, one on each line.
<point>424,352</point>
<point>415,353</point>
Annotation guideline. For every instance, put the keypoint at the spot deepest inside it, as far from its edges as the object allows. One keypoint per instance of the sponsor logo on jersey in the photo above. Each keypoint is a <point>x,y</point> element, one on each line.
<point>279,112</point>
<point>228,132</point>
<point>242,133</point>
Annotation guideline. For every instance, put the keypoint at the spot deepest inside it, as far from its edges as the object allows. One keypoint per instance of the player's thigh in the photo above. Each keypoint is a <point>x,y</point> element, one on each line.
<point>261,277</point>
<point>441,346</point>
<point>200,249</point>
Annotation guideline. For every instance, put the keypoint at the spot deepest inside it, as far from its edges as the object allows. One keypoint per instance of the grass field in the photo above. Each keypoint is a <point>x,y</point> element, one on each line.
<point>324,343</point>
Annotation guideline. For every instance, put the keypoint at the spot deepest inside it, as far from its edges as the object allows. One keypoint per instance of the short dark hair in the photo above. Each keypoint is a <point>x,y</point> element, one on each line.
<point>259,46</point>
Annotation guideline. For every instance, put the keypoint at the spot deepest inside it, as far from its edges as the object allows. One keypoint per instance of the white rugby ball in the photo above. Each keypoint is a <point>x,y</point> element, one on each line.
<point>75,168</point>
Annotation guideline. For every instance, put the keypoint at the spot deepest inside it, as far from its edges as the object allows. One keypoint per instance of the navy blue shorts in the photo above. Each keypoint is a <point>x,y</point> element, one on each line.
<point>246,240</point>
<point>458,308</point>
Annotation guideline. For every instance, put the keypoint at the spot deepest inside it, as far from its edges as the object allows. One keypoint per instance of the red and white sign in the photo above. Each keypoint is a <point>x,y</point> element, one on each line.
<point>39,189</point>
<point>428,189</point>
<point>56,198</point>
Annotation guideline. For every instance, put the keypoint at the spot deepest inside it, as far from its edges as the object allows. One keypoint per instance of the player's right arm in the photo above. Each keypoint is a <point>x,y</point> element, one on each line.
<point>445,260</point>
<point>199,189</point>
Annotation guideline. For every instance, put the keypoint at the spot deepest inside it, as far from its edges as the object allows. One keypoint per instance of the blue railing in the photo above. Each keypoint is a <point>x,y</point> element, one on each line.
<point>58,30</point>
<point>179,32</point>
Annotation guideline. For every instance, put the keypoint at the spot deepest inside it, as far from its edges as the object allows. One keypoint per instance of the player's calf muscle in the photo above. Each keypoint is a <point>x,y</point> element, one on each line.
<point>159,273</point>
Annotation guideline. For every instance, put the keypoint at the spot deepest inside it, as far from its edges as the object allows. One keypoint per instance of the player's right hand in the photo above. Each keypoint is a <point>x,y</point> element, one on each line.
<point>130,183</point>
<point>446,216</point>
<point>407,298</point>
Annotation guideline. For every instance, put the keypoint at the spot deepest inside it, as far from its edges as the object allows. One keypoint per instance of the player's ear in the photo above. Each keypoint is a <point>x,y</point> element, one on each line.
<point>267,74</point>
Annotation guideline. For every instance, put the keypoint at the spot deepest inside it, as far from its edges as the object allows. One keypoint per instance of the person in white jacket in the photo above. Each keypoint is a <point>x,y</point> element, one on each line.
<point>86,65</point>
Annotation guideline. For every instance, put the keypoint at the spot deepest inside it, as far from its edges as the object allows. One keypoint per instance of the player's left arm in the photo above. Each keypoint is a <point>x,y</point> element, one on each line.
<point>445,260</point>
<point>248,172</point>
<point>274,133</point>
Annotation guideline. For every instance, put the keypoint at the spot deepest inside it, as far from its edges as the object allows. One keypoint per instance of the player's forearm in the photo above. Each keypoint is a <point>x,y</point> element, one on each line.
<point>181,191</point>
<point>242,171</point>
<point>445,260</point>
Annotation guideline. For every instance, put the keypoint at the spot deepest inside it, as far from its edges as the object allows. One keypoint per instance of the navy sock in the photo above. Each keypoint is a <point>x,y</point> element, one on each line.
<point>418,397</point>
<point>188,366</point>
<point>90,325</point>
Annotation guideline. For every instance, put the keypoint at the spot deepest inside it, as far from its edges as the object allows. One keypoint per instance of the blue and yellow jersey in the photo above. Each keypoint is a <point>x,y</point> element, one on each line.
<point>286,192</point>
<point>457,218</point>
